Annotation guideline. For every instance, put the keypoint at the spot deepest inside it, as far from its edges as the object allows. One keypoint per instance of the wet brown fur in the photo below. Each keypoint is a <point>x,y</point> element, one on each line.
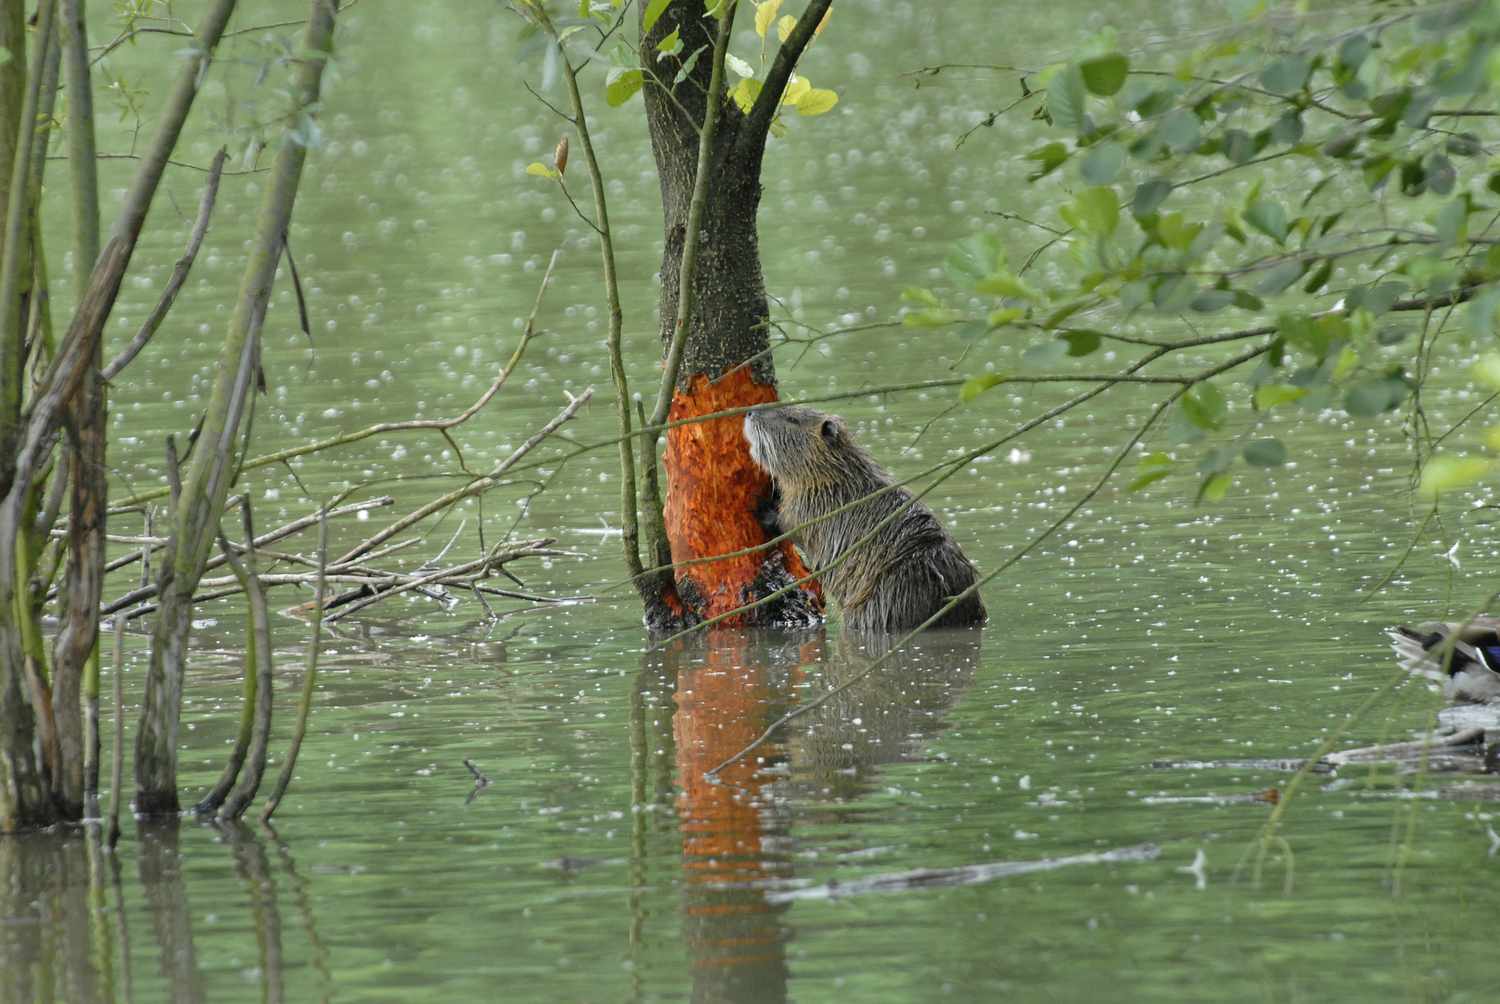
<point>896,580</point>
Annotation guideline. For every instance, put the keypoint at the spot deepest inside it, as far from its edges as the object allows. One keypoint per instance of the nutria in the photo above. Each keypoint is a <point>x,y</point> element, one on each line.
<point>895,580</point>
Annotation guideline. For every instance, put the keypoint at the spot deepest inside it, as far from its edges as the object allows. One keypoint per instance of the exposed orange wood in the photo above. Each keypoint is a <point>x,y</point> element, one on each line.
<point>713,491</point>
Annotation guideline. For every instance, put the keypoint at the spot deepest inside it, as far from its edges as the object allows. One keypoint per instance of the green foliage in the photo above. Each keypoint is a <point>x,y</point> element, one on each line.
<point>1317,187</point>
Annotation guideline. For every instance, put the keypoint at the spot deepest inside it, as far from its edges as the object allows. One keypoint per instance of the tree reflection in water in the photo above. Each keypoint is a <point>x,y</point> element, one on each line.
<point>736,831</point>
<point>65,933</point>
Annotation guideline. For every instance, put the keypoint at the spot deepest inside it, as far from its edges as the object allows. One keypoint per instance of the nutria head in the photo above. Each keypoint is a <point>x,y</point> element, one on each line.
<point>804,448</point>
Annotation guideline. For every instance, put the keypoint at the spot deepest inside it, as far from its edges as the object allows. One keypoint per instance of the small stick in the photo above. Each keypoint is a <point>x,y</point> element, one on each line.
<point>179,272</point>
<point>148,590</point>
<point>117,767</point>
<point>479,777</point>
<point>309,680</point>
<point>474,487</point>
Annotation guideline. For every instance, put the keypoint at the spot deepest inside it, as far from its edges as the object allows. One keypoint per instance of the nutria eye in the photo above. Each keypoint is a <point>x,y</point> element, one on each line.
<point>830,430</point>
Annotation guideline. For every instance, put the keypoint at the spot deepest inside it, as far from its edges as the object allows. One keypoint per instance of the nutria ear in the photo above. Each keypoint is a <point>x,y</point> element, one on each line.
<point>830,430</point>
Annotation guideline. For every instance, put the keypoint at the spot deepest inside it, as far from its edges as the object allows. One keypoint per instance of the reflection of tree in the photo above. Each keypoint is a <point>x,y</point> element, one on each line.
<point>735,831</point>
<point>304,909</point>
<point>63,927</point>
<point>884,715</point>
<point>254,870</point>
<point>161,879</point>
<point>45,940</point>
<point>729,688</point>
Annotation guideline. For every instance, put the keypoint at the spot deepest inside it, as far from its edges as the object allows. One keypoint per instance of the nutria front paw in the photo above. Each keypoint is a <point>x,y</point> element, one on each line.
<point>768,512</point>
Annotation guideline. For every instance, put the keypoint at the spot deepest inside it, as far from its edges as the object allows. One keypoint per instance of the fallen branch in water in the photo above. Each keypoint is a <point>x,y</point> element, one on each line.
<point>928,878</point>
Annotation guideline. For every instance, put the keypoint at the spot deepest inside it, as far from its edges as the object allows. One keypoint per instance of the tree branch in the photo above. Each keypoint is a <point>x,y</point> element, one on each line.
<point>758,122</point>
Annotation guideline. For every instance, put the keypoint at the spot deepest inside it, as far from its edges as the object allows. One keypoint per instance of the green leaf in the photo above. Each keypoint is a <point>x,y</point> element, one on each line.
<point>1153,467</point>
<point>1105,75</point>
<point>654,11</point>
<point>1304,333</point>
<point>975,386</point>
<point>1218,459</point>
<point>1320,277</point>
<point>1238,146</point>
<point>1103,163</point>
<point>1286,74</point>
<point>1205,407</point>
<point>1265,453</point>
<point>974,258</point>
<point>1002,283</point>
<point>1067,310</point>
<point>1215,487</point>
<point>1149,477</point>
<point>1287,130</point>
<point>921,297</point>
<point>1280,277</point>
<point>671,45</point>
<point>1006,315</point>
<point>1444,474</point>
<point>1269,218</point>
<point>687,66</point>
<point>1452,221</point>
<point>1374,397</point>
<point>1268,396</point>
<point>621,85</point>
<point>1045,355</point>
<point>1082,343</point>
<point>745,92</point>
<point>1052,156</point>
<point>540,170</point>
<point>1066,98</point>
<point>817,101</point>
<point>1180,131</point>
<point>1094,211</point>
<point>1211,300</point>
<point>1149,196</point>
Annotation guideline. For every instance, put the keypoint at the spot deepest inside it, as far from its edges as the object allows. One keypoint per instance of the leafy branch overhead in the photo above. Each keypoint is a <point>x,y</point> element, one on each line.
<point>1323,195</point>
<point>668,62</point>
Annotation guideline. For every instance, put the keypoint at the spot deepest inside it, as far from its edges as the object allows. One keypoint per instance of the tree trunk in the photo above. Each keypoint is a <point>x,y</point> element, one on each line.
<point>714,488</point>
<point>206,484</point>
<point>25,798</point>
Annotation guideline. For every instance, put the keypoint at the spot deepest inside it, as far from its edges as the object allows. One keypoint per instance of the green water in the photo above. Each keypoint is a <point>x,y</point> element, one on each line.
<point>597,865</point>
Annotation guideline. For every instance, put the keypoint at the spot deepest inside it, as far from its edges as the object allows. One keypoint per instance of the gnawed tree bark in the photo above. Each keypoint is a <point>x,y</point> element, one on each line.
<point>714,488</point>
<point>206,484</point>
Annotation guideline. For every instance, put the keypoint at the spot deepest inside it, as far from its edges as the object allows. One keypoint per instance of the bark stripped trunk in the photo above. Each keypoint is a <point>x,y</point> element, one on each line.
<point>714,488</point>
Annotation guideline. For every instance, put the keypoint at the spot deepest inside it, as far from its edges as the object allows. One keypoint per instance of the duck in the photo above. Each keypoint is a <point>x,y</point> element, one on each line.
<point>1463,657</point>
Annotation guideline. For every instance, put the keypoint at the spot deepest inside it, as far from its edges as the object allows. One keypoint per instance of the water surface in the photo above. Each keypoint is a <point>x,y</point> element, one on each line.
<point>599,864</point>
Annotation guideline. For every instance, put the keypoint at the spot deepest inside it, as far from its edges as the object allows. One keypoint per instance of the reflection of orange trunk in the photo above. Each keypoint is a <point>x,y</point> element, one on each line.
<point>713,491</point>
<point>730,828</point>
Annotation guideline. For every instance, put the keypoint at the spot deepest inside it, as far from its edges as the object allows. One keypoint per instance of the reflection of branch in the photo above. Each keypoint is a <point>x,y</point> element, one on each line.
<point>309,675</point>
